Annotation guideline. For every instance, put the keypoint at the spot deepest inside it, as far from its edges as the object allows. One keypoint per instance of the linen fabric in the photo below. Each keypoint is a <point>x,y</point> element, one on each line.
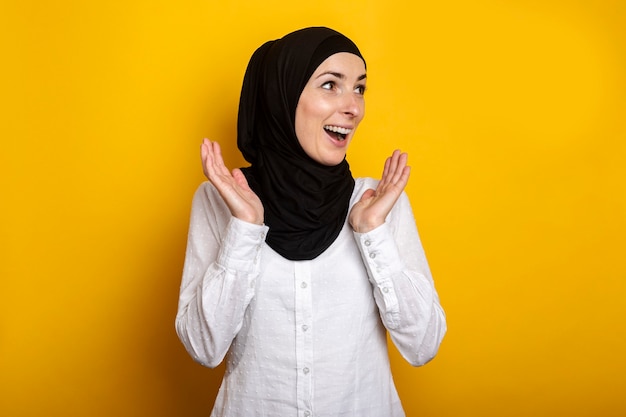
<point>306,338</point>
<point>305,202</point>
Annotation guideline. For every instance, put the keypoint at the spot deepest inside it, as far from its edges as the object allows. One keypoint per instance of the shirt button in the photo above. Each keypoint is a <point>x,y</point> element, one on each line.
<point>305,327</point>
<point>303,285</point>
<point>367,243</point>
<point>306,371</point>
<point>372,255</point>
<point>307,413</point>
<point>386,290</point>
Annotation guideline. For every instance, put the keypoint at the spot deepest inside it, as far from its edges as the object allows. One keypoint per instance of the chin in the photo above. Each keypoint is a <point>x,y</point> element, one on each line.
<point>332,160</point>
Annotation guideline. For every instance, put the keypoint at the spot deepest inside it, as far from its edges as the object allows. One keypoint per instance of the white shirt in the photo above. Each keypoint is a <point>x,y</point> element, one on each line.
<point>306,338</point>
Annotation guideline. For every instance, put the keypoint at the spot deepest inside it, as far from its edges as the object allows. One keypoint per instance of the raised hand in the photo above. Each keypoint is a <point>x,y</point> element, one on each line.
<point>243,203</point>
<point>374,206</point>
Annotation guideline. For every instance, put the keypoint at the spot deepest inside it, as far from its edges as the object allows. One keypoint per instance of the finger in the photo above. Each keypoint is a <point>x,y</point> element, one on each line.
<point>402,165</point>
<point>387,171</point>
<point>397,165</point>
<point>392,165</point>
<point>211,160</point>
<point>404,178</point>
<point>212,163</point>
<point>204,155</point>
<point>387,167</point>
<point>218,161</point>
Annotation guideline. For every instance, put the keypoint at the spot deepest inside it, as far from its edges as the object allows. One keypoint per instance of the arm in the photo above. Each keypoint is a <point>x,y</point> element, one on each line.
<point>403,287</point>
<point>221,264</point>
<point>404,291</point>
<point>222,260</point>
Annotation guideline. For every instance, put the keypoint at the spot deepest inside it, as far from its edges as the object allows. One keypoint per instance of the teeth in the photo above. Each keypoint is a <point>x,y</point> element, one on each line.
<point>338,129</point>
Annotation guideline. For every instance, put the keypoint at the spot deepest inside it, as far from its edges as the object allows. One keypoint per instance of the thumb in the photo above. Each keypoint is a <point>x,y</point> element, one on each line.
<point>240,178</point>
<point>369,193</point>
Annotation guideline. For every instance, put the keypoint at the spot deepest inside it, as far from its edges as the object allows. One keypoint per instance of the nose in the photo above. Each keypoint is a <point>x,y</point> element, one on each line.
<point>352,105</point>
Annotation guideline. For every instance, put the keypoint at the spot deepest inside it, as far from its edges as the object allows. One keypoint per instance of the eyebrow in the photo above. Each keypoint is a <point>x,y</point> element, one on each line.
<point>340,75</point>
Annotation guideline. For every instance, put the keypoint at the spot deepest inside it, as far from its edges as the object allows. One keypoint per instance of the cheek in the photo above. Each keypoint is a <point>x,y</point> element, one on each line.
<point>308,117</point>
<point>313,110</point>
<point>305,130</point>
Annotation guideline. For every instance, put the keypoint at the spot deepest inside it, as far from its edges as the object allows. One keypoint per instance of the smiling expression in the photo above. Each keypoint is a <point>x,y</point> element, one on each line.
<point>330,108</point>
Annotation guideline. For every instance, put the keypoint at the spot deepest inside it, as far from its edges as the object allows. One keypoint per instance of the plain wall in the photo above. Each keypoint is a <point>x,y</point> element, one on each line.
<point>512,112</point>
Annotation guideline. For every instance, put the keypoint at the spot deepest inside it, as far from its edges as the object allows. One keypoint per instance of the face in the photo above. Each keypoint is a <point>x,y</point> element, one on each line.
<point>331,107</point>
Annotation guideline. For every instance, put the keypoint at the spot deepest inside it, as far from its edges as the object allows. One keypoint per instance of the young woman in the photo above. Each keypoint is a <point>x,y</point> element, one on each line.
<point>295,271</point>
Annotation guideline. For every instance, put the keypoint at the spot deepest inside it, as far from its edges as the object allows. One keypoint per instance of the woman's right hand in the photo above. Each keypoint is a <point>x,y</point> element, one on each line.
<point>243,203</point>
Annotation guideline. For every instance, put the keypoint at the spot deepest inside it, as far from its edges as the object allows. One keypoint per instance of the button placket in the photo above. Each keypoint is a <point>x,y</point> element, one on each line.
<point>304,338</point>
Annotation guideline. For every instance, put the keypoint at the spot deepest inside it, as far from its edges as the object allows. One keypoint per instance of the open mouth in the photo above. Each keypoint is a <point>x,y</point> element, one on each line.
<point>337,132</point>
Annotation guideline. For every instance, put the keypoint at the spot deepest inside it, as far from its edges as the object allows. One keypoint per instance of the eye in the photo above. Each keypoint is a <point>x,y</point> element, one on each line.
<point>328,85</point>
<point>360,89</point>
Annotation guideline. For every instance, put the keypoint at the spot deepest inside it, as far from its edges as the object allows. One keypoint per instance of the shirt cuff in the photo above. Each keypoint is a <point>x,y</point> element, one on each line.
<point>382,259</point>
<point>380,252</point>
<point>241,246</point>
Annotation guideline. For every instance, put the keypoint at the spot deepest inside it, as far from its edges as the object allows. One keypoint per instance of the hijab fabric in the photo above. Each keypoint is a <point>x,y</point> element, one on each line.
<point>305,202</point>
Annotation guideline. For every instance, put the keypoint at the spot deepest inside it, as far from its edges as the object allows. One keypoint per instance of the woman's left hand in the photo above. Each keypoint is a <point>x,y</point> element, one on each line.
<point>374,206</point>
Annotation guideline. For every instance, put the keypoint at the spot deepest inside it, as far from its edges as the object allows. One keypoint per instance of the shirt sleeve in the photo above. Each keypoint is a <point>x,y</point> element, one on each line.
<point>403,286</point>
<point>221,265</point>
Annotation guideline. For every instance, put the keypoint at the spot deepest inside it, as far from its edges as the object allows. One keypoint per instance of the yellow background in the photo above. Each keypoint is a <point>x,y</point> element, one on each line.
<point>513,113</point>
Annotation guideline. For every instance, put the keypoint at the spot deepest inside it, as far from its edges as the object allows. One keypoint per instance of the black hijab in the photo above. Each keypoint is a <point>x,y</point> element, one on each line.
<point>305,202</point>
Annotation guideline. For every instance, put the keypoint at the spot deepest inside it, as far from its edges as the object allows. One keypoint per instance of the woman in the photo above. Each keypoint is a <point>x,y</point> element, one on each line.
<point>294,270</point>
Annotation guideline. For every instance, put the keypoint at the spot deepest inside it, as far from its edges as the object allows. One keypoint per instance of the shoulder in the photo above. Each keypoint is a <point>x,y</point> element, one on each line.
<point>204,193</point>
<point>207,190</point>
<point>363,183</point>
<point>207,197</point>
